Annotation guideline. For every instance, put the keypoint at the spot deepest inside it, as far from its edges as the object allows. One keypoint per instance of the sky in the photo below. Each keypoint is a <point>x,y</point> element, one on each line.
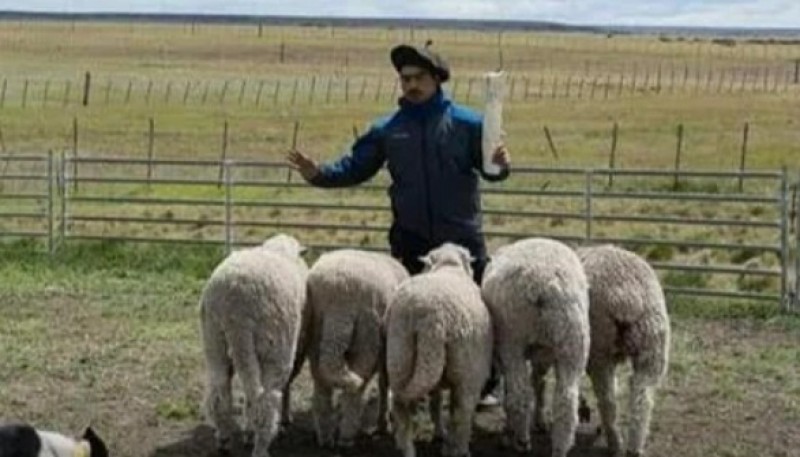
<point>716,13</point>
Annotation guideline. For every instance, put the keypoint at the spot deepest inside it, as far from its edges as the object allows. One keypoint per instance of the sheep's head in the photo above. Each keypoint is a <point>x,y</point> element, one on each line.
<point>448,255</point>
<point>285,244</point>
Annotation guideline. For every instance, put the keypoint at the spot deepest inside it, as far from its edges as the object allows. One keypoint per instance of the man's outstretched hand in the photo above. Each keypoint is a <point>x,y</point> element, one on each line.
<point>304,164</point>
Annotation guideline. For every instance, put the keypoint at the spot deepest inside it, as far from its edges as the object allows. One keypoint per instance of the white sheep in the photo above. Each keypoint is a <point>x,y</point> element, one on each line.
<point>537,293</point>
<point>348,293</point>
<point>250,313</point>
<point>439,335</point>
<point>628,318</point>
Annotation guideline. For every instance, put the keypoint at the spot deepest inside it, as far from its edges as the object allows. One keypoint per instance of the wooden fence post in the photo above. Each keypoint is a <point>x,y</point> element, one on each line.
<point>223,154</point>
<point>550,143</point>
<point>87,86</point>
<point>678,151</point>
<point>612,158</point>
<point>742,158</point>
<point>150,149</point>
<point>75,153</point>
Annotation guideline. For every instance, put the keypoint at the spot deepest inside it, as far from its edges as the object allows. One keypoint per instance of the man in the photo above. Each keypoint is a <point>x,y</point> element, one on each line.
<point>432,148</point>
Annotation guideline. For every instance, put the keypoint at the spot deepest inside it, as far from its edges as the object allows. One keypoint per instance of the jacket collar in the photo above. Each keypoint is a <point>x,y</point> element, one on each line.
<point>437,103</point>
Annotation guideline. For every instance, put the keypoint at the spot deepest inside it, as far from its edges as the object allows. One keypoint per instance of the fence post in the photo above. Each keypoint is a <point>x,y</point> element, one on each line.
<point>258,92</point>
<point>75,153</point>
<point>745,136</point>
<point>167,92</point>
<point>550,142</point>
<point>612,159</point>
<point>588,203</point>
<point>64,198</point>
<point>312,88</point>
<point>150,148</point>
<point>51,248</point>
<point>294,148</point>
<point>128,92</point>
<point>226,166</point>
<point>186,91</point>
<point>87,85</point>
<point>223,155</point>
<point>3,93</point>
<point>25,93</point>
<point>242,90</point>
<point>783,202</point>
<point>678,150</point>
<point>797,71</point>
<point>108,91</point>
<point>796,206</point>
<point>46,92</point>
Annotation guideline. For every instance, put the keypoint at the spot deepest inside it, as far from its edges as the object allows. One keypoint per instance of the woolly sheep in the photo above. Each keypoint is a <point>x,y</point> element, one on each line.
<point>439,335</point>
<point>628,319</point>
<point>348,293</point>
<point>250,313</point>
<point>537,294</point>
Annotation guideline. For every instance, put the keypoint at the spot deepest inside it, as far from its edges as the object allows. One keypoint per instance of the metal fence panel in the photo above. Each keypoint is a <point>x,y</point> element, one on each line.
<point>130,203</point>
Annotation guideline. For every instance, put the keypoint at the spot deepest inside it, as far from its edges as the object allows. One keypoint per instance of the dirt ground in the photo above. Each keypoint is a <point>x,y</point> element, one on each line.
<point>129,362</point>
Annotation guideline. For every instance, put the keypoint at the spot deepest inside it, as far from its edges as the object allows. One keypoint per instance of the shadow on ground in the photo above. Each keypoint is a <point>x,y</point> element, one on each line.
<point>299,441</point>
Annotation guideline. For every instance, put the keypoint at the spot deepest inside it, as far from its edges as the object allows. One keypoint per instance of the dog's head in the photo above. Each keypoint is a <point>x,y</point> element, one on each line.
<point>97,448</point>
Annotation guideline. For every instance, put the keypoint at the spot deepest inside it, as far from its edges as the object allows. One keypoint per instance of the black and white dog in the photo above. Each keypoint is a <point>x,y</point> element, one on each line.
<point>22,440</point>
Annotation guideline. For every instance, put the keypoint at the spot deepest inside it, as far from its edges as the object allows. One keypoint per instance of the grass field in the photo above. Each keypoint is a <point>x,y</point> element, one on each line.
<point>106,332</point>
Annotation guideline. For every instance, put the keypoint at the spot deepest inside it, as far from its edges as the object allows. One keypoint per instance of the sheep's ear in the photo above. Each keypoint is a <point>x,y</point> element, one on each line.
<point>97,447</point>
<point>302,249</point>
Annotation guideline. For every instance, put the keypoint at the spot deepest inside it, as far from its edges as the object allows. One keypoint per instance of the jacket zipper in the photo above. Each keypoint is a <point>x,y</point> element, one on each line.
<point>425,171</point>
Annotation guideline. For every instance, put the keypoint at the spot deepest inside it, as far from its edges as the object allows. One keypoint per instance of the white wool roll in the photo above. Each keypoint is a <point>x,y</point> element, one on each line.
<point>493,118</point>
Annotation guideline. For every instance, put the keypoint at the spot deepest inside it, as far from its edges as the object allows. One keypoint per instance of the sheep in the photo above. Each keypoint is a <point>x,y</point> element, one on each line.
<point>250,313</point>
<point>348,293</point>
<point>628,319</point>
<point>537,294</point>
<point>439,335</point>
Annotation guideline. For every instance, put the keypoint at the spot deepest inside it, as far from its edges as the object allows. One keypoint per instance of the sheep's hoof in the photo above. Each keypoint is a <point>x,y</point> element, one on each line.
<point>346,444</point>
<point>540,427</point>
<point>519,444</point>
<point>634,454</point>
<point>224,446</point>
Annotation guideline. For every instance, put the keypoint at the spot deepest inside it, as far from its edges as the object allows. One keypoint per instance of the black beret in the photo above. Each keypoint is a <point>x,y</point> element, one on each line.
<point>405,54</point>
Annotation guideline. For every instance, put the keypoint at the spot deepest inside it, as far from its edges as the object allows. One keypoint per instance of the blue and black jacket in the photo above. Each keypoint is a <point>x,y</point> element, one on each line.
<point>433,154</point>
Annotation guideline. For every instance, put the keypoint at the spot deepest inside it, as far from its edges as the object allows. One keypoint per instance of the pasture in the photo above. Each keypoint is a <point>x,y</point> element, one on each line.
<point>106,332</point>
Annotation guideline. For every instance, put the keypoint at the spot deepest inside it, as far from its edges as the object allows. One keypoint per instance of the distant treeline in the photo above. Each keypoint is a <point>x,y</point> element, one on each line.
<point>303,21</point>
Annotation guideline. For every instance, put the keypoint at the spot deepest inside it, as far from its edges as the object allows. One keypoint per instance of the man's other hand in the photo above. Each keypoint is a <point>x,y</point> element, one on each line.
<point>304,164</point>
<point>501,157</point>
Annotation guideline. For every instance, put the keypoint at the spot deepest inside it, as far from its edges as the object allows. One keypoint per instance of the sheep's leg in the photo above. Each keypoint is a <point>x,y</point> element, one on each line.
<point>263,400</point>
<point>286,403</point>
<point>565,407</point>
<point>517,399</point>
<point>604,384</point>
<point>539,385</point>
<point>352,407</point>
<point>435,409</point>
<point>648,368</point>
<point>460,430</point>
<point>218,399</point>
<point>324,415</point>
<point>265,414</point>
<point>383,399</point>
<point>403,421</point>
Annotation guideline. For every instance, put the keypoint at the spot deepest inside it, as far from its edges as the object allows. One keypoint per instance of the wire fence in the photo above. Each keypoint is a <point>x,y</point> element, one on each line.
<point>311,89</point>
<point>706,236</point>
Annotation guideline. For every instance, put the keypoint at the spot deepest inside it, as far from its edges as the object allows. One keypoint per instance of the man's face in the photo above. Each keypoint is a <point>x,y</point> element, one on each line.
<point>418,84</point>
